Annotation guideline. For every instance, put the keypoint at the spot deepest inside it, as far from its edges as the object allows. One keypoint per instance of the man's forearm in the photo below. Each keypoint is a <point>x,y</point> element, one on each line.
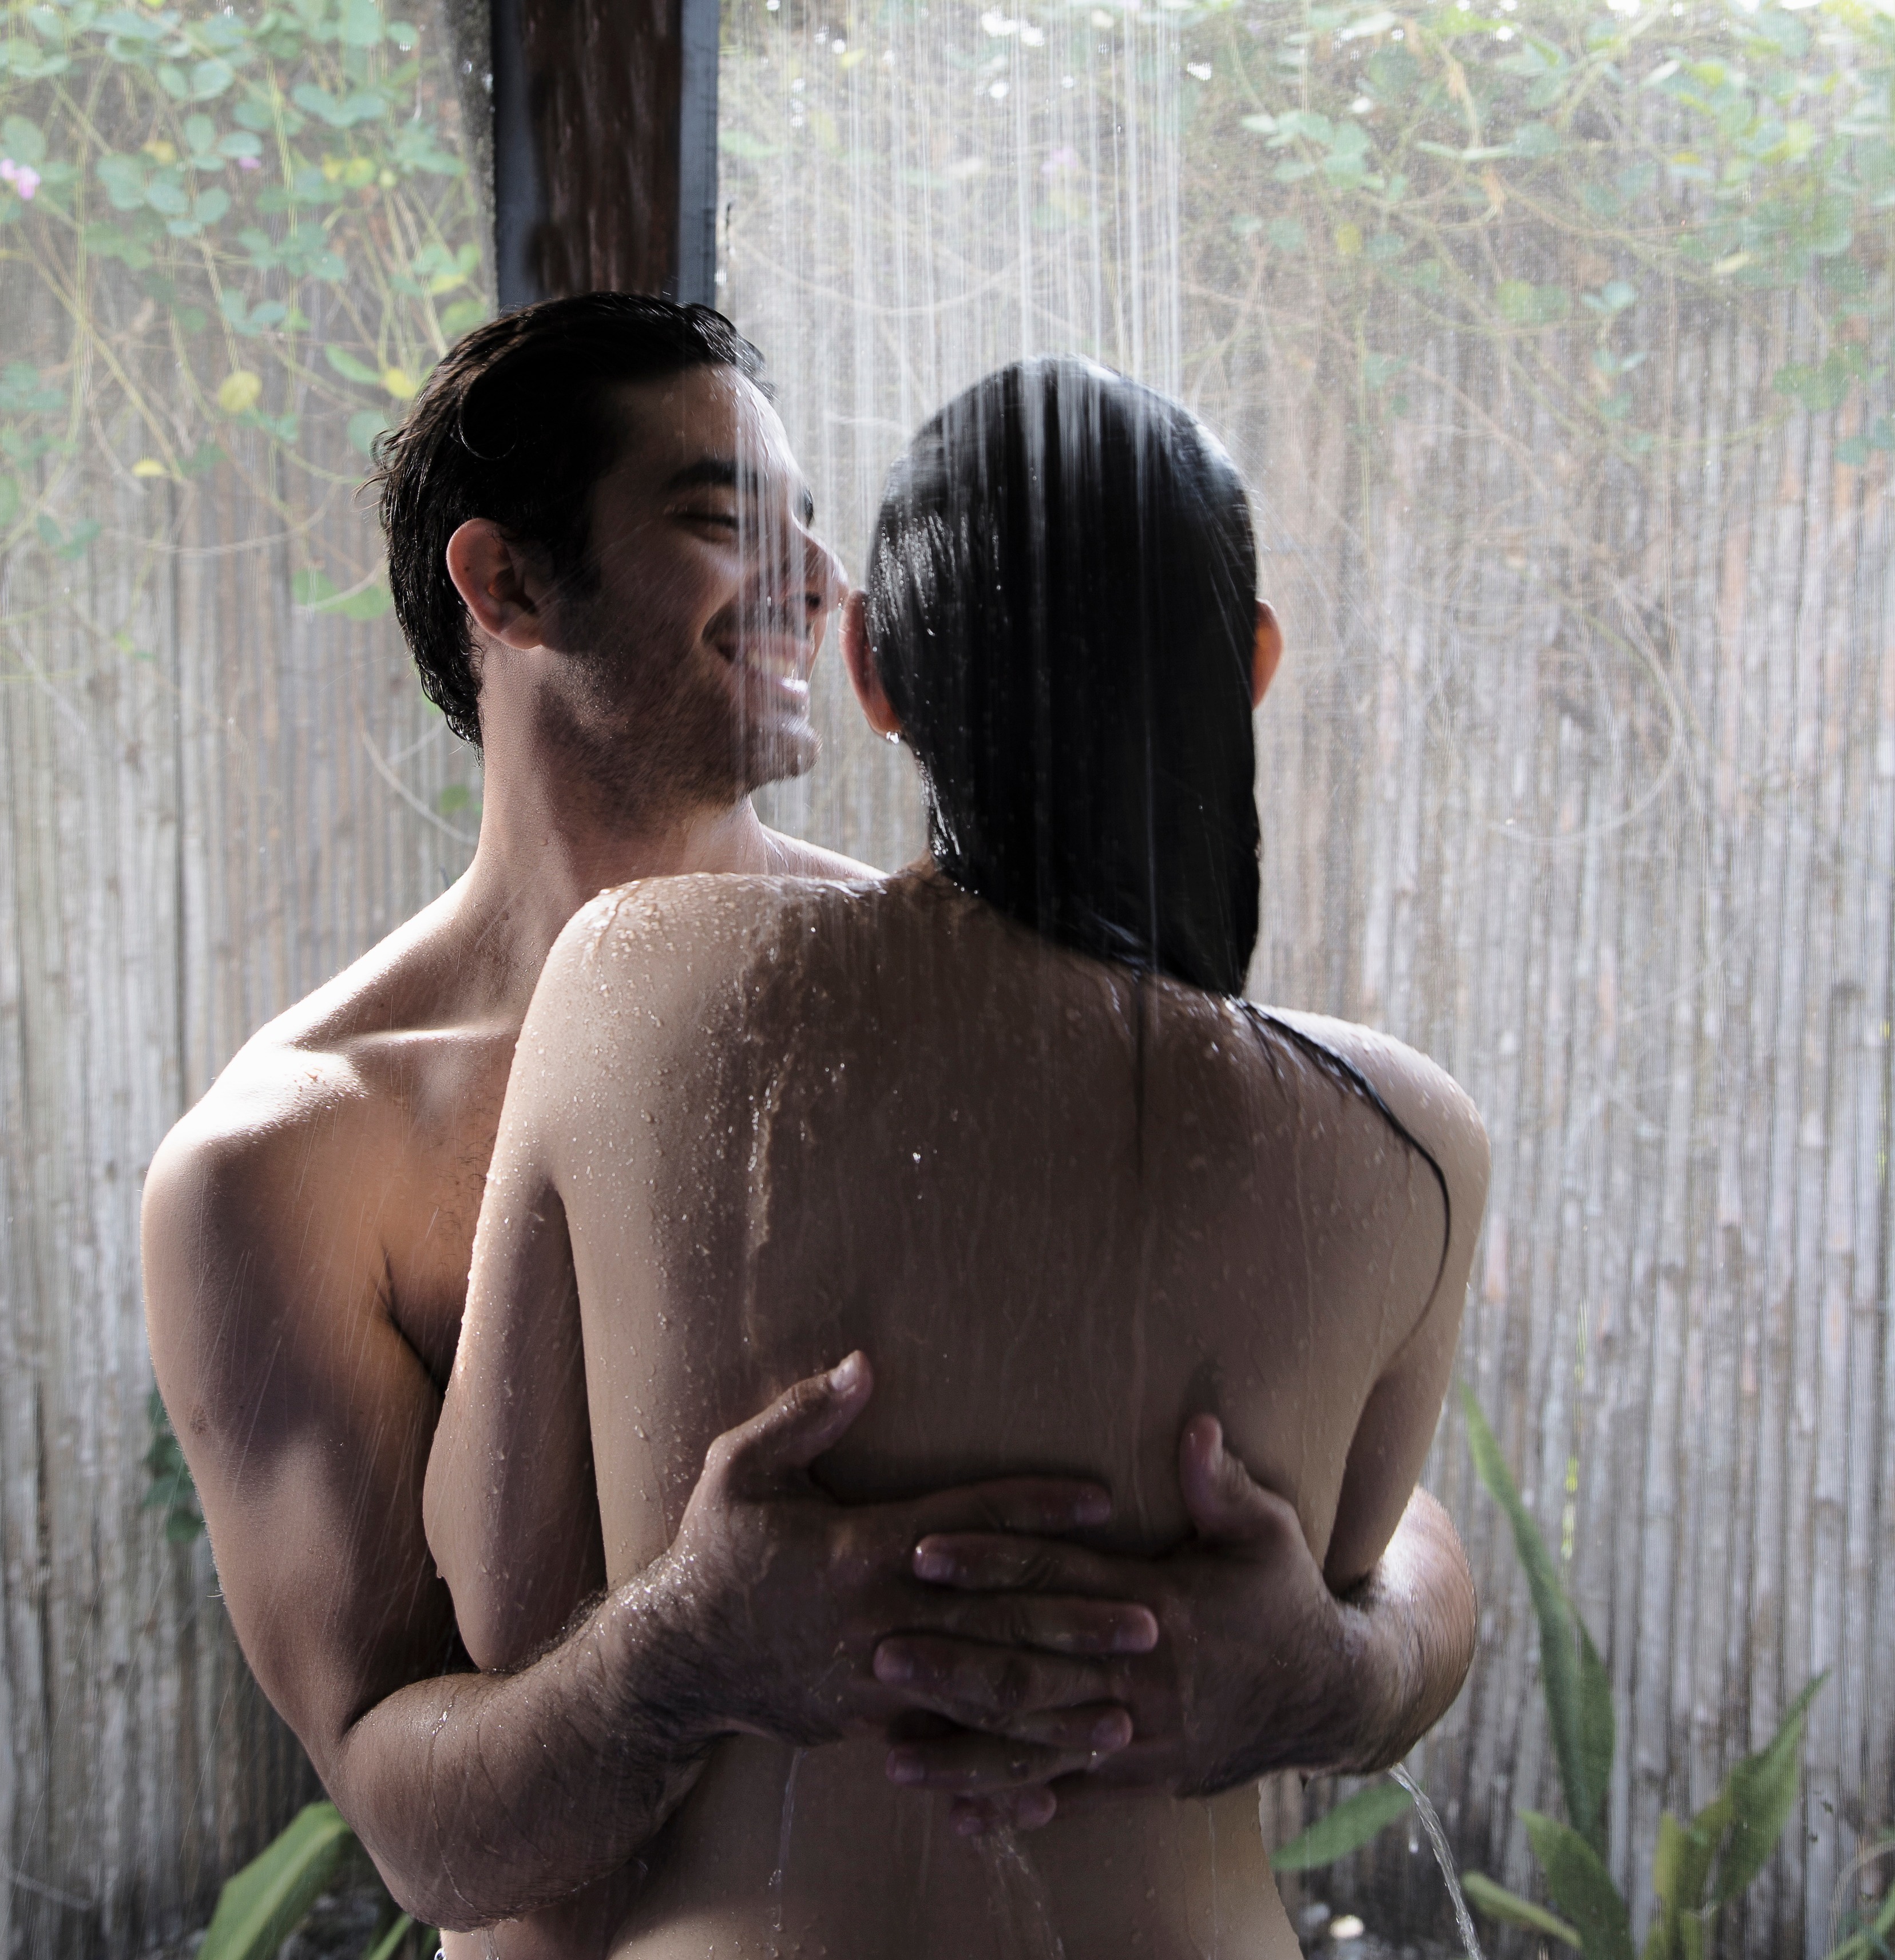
<point>484,1797</point>
<point>1415,1618</point>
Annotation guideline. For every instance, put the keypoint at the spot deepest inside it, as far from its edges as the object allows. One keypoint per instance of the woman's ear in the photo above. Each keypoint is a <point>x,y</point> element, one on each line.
<point>1269,655</point>
<point>860,660</point>
<point>497,584</point>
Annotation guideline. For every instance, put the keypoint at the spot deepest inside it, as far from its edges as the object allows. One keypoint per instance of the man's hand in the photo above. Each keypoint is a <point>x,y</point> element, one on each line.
<point>789,1598</point>
<point>1260,1668</point>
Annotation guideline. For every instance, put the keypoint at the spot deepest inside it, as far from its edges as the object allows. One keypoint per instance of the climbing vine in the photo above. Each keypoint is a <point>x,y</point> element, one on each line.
<point>232,242</point>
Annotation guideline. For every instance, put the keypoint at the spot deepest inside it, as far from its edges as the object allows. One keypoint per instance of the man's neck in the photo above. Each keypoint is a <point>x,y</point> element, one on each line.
<point>544,853</point>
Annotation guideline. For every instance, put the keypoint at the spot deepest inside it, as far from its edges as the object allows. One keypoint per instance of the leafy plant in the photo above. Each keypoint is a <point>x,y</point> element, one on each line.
<point>260,1906</point>
<point>1867,1932</point>
<point>1354,1822</point>
<point>1698,1866</point>
<point>234,240</point>
<point>172,1490</point>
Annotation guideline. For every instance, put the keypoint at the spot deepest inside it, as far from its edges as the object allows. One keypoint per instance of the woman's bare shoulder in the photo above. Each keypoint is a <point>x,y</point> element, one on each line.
<point>708,913</point>
<point>1418,1092</point>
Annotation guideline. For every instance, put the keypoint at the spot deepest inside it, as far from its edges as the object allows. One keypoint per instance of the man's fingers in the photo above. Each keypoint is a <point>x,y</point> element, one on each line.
<point>962,1759</point>
<point>1048,1625</point>
<point>1013,1504</point>
<point>802,1422</point>
<point>996,1562</point>
<point>987,1688</point>
<point>984,1765</point>
<point>1226,1503</point>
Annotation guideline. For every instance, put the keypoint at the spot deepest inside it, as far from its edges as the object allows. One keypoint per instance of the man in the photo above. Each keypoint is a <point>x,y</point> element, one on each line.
<point>596,595</point>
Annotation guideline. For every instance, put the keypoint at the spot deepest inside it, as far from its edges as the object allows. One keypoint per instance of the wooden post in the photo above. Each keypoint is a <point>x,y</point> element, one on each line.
<point>604,147</point>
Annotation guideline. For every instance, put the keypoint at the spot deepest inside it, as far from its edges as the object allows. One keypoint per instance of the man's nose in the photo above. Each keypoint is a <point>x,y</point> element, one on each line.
<point>824,581</point>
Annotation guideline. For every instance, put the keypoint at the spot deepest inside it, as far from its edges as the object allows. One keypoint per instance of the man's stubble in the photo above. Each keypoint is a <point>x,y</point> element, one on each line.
<point>651,733</point>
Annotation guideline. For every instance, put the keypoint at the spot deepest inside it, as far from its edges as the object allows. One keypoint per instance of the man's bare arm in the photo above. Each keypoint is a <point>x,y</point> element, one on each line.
<point>1417,1620</point>
<point>307,1418</point>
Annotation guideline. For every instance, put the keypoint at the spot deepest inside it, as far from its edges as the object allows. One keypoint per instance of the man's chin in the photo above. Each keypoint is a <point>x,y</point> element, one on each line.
<point>780,754</point>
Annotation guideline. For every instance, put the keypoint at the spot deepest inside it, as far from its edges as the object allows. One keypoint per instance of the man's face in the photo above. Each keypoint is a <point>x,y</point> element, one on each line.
<point>692,647</point>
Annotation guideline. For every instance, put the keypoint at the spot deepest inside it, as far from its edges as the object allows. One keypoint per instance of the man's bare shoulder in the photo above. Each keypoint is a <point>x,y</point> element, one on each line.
<point>323,1093</point>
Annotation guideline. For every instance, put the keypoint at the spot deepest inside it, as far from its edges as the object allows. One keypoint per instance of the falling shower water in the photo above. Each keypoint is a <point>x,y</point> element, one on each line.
<point>912,197</point>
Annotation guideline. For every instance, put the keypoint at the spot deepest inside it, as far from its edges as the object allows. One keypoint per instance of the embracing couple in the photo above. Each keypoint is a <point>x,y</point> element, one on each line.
<point>934,1365</point>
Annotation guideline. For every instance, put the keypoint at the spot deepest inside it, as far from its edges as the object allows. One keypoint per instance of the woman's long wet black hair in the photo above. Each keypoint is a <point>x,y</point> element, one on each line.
<point>1062,609</point>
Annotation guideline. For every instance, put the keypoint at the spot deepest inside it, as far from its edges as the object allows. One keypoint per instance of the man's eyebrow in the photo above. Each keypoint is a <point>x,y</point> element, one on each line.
<point>722,472</point>
<point>716,473</point>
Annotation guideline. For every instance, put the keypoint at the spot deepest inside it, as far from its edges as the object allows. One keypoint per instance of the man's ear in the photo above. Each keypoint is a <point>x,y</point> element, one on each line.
<point>499,586</point>
<point>860,661</point>
<point>1269,656</point>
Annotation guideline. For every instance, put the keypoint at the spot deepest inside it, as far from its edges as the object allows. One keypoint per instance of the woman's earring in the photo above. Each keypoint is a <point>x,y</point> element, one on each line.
<point>894,736</point>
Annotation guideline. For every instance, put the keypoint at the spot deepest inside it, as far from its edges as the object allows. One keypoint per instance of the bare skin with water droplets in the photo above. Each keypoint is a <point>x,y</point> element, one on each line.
<point>1064,1212</point>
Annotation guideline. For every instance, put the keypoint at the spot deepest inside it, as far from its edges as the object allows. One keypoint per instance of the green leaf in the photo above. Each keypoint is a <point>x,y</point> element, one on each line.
<point>384,1948</point>
<point>311,588</point>
<point>1352,1824</point>
<point>23,392</point>
<point>741,143</point>
<point>1559,1667</point>
<point>461,317</point>
<point>1598,1730</point>
<point>1581,1888</point>
<point>183,1526</point>
<point>363,426</point>
<point>361,24</point>
<point>370,603</point>
<point>1680,1866</point>
<point>1511,1910</point>
<point>350,368</point>
<point>1761,1789</point>
<point>22,141</point>
<point>263,1903</point>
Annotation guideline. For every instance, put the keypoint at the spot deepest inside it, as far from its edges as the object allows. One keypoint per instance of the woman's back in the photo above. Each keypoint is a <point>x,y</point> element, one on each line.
<point>1062,1209</point>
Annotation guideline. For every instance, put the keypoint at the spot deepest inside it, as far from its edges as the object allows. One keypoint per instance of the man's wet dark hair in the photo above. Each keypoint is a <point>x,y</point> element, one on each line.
<point>516,424</point>
<point>1062,598</point>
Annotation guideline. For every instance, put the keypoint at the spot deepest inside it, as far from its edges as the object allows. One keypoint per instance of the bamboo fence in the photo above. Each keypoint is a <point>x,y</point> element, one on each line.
<point>1582,779</point>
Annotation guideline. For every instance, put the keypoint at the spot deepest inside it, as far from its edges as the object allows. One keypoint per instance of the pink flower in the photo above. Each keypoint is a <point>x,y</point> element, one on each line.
<point>24,177</point>
<point>1065,158</point>
<point>248,164</point>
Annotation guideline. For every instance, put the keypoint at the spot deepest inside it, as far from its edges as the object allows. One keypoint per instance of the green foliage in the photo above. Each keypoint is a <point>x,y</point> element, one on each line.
<point>1578,1695</point>
<point>260,1906</point>
<point>244,240</point>
<point>1581,1888</point>
<point>1733,1836</point>
<point>1353,1823</point>
<point>172,1490</point>
<point>1867,1931</point>
<point>390,1943</point>
<point>1511,1910</point>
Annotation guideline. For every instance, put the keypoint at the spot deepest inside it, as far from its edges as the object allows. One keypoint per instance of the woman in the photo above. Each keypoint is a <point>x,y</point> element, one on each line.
<point>1002,1123</point>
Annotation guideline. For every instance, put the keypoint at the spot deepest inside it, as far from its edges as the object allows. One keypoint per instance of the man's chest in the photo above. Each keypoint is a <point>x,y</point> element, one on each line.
<point>430,1203</point>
